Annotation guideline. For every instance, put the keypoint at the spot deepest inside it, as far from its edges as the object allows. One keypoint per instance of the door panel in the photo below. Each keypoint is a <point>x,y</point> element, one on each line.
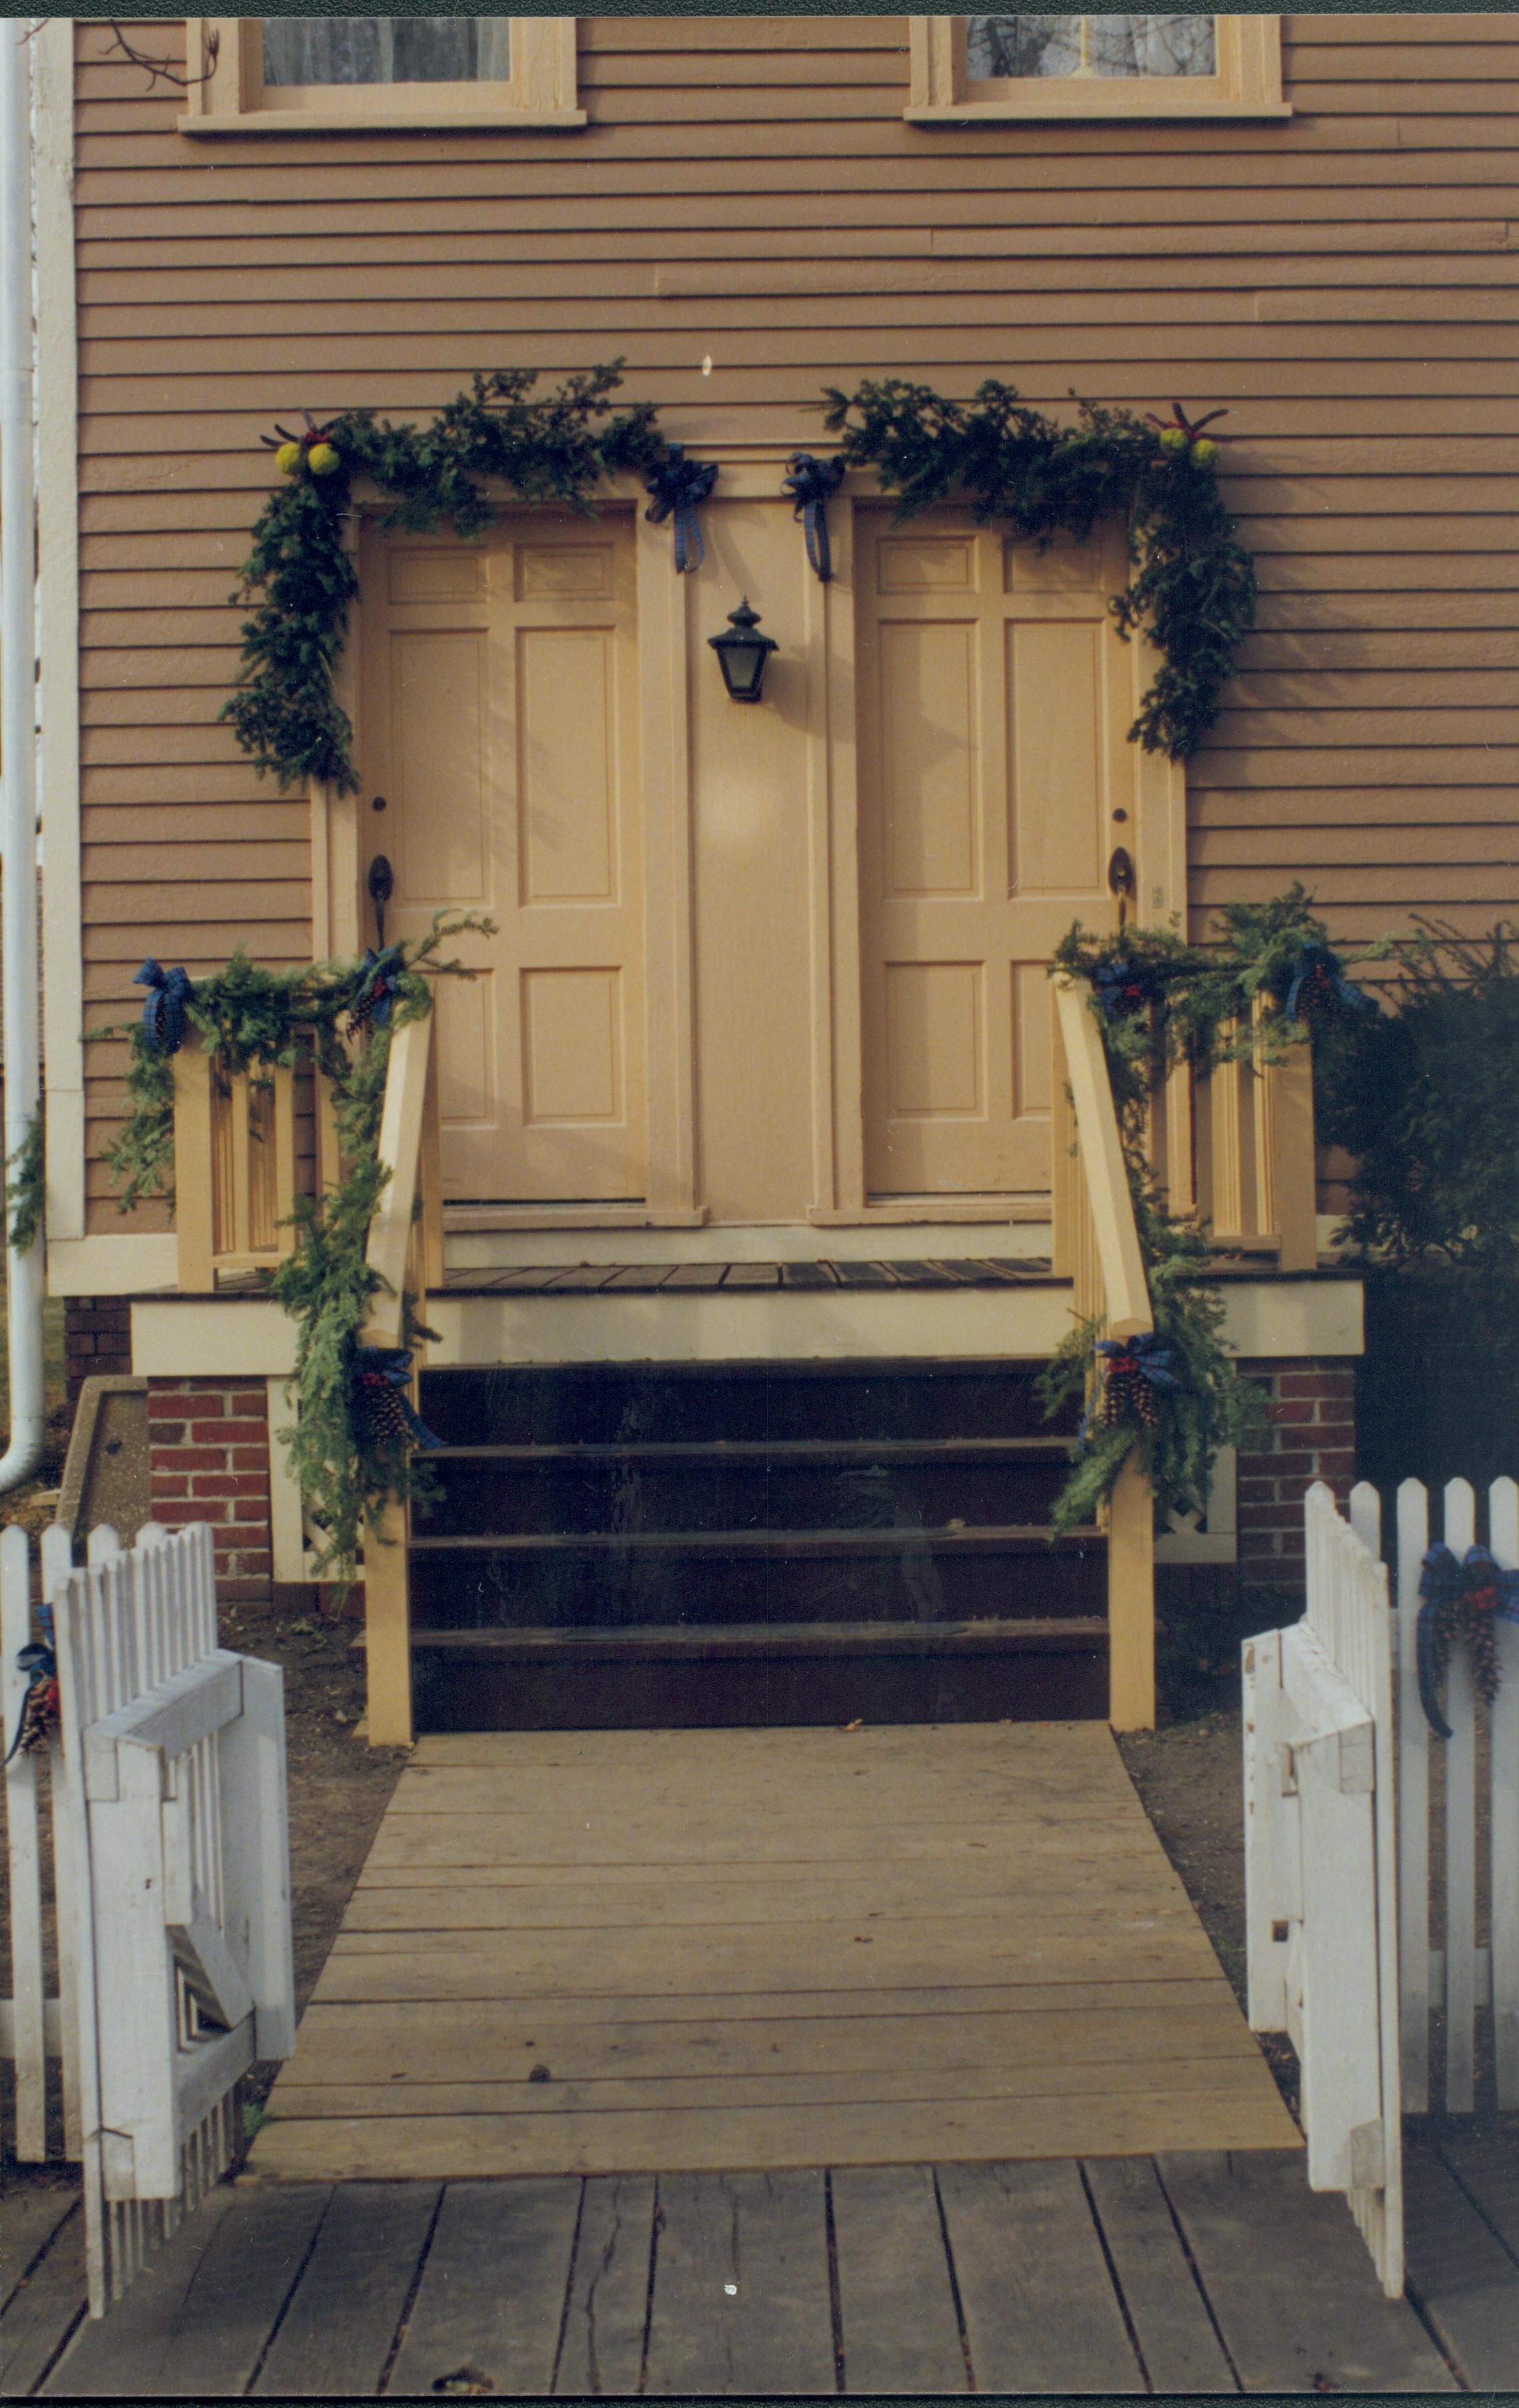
<point>499,724</point>
<point>992,756</point>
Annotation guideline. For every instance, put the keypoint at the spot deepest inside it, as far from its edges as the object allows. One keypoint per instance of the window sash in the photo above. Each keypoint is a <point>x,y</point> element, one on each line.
<point>1248,82</point>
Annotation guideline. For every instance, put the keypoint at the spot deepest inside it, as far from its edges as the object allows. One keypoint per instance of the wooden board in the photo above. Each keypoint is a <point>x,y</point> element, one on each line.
<point>1039,2310</point>
<point>899,2324</point>
<point>606,2312</point>
<point>1172,2329</point>
<point>335,2338</point>
<point>638,1951</point>
<point>1465,2278</point>
<point>195,2322</point>
<point>741,2300</point>
<point>399,2048</point>
<point>491,2292</point>
<point>1341,2334</point>
<point>39,2314</point>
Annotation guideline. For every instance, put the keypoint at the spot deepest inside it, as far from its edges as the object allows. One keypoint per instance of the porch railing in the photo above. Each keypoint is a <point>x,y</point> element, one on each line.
<point>1236,1147</point>
<point>248,1143</point>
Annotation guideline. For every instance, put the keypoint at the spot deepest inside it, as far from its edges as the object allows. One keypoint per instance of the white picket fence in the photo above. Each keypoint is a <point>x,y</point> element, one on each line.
<point>1447,1981</point>
<point>171,1877</point>
<point>1363,1937</point>
<point>1321,1895</point>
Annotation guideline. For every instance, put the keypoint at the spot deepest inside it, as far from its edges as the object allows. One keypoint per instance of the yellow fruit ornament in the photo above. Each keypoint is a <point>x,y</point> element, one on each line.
<point>1173,439</point>
<point>322,459</point>
<point>1205,453</point>
<point>288,457</point>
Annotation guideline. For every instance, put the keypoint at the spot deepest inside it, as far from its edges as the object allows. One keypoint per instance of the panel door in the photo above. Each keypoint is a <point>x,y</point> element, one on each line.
<point>500,729</point>
<point>994,782</point>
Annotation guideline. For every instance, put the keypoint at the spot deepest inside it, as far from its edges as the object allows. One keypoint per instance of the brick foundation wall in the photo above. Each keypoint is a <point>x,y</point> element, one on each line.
<point>97,1337</point>
<point>209,1461</point>
<point>1312,1409</point>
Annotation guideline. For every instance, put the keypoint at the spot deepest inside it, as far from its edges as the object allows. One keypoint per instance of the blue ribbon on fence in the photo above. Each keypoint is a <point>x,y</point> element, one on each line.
<point>1317,979</point>
<point>1464,1599</point>
<point>679,485</point>
<point>812,485</point>
<point>1125,986</point>
<point>376,998</point>
<point>162,1014</point>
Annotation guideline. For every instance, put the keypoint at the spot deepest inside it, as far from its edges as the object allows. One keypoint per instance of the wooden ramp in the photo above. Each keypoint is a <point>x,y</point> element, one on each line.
<point>637,1951</point>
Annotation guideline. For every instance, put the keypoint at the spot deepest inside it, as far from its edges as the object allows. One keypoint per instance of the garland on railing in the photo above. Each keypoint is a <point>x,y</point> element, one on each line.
<point>348,1457</point>
<point>1194,583</point>
<point>302,581</point>
<point>1160,1002</point>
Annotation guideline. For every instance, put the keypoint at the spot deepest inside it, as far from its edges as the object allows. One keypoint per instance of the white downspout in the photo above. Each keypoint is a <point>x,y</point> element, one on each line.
<point>19,995</point>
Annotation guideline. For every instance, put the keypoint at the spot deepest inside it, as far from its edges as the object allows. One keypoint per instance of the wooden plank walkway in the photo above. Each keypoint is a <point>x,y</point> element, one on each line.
<point>608,1953</point>
<point>1183,2274</point>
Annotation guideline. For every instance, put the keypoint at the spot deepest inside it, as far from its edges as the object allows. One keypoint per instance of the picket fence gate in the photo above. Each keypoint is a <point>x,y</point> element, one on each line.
<point>1362,1939</point>
<point>171,1882</point>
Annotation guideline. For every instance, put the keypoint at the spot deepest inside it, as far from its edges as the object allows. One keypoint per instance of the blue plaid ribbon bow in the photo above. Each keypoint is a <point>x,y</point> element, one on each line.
<point>1465,1599</point>
<point>812,485</point>
<point>1125,985</point>
<point>680,485</point>
<point>382,1375</point>
<point>376,998</point>
<point>1318,983</point>
<point>162,1014</point>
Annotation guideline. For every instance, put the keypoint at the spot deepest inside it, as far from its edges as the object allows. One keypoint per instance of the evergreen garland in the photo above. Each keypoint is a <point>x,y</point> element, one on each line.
<point>249,1019</point>
<point>1194,583</point>
<point>302,582</point>
<point>26,1190</point>
<point>1160,1001</point>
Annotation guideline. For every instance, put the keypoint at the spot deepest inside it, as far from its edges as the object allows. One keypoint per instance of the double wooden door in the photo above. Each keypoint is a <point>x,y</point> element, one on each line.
<point>500,747</point>
<point>996,781</point>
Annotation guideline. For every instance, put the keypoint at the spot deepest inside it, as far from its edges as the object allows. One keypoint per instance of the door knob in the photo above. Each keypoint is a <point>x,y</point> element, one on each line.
<point>382,885</point>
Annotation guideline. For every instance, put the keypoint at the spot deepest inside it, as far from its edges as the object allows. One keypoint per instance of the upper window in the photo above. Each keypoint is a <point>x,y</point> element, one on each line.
<point>967,68</point>
<point>284,75</point>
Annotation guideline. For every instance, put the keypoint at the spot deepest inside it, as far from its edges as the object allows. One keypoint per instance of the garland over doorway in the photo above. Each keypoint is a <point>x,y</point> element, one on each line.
<point>1193,587</point>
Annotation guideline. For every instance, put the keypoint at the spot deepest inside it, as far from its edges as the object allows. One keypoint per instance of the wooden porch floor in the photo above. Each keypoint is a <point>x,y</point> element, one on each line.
<point>1190,2274</point>
<point>605,1952</point>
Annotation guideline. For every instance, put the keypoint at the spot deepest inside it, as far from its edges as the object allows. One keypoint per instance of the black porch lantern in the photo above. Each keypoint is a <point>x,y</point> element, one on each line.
<point>744,654</point>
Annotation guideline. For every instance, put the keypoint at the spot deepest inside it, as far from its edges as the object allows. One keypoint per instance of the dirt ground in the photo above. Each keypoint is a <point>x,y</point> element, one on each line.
<point>1189,1774</point>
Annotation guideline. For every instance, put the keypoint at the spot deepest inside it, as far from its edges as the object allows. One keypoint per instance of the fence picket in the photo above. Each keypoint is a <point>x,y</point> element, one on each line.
<point>1412,1805</point>
<point>28,2003</point>
<point>1460,1754</point>
<point>1503,1528</point>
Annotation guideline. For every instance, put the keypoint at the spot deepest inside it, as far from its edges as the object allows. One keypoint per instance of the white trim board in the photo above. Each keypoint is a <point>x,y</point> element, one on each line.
<point>58,577</point>
<point>196,1337</point>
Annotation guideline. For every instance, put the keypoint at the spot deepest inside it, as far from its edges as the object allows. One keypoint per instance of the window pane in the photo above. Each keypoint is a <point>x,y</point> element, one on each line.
<point>1089,45</point>
<point>386,49</point>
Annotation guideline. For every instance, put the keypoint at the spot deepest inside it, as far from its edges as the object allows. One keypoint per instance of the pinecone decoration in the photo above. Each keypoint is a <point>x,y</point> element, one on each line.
<point>1126,1394</point>
<point>383,1407</point>
<point>39,1706</point>
<point>1461,1601</point>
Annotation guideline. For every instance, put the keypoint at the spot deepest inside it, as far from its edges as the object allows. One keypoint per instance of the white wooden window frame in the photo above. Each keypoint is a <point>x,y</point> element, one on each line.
<point>1248,82</point>
<point>539,99</point>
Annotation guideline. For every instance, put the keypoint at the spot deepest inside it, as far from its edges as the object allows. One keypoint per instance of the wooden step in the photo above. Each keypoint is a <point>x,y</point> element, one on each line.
<point>806,1486</point>
<point>710,1577</point>
<point>622,1404</point>
<point>673,1677</point>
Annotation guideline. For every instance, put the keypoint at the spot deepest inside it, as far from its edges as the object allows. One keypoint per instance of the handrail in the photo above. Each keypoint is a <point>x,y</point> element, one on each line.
<point>1097,1241</point>
<point>1101,1158</point>
<point>402,1122</point>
